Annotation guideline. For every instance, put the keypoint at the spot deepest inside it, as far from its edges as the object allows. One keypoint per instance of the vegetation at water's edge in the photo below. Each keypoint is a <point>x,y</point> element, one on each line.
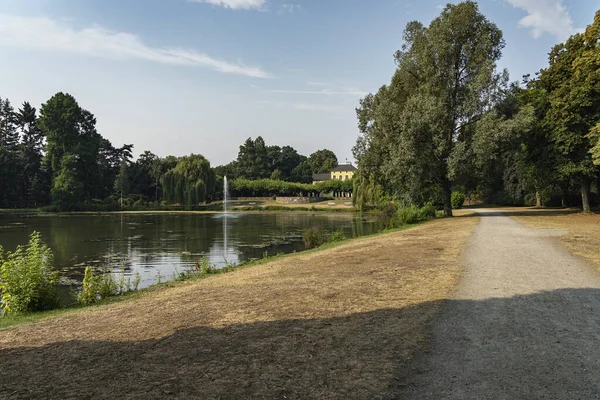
<point>27,280</point>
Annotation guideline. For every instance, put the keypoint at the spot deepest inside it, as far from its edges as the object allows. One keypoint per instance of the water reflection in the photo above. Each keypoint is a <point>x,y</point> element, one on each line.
<point>153,244</point>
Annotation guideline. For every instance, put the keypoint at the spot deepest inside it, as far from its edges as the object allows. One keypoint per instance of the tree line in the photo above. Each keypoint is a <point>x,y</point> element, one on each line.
<point>55,158</point>
<point>449,120</point>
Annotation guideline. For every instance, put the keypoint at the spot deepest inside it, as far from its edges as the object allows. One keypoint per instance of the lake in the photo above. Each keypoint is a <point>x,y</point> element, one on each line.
<point>163,243</point>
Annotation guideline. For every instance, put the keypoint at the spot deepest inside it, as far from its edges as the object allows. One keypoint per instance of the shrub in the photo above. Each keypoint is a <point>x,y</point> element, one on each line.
<point>204,266</point>
<point>107,286</point>
<point>337,236</point>
<point>427,212</point>
<point>314,237</point>
<point>387,215</point>
<point>409,215</point>
<point>89,289</point>
<point>458,200</point>
<point>27,280</point>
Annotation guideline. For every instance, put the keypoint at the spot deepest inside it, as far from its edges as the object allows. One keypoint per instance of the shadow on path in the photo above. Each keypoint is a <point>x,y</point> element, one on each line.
<point>544,345</point>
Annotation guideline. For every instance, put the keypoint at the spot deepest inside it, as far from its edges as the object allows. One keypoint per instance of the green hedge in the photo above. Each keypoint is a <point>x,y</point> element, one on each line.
<point>269,187</point>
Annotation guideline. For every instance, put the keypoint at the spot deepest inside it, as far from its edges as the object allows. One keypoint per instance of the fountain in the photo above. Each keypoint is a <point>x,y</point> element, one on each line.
<point>225,190</point>
<point>225,194</point>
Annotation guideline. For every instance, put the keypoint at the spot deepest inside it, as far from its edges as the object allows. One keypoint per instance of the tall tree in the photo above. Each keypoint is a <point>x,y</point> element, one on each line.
<point>10,174</point>
<point>572,81</point>
<point>253,160</point>
<point>34,178</point>
<point>445,81</point>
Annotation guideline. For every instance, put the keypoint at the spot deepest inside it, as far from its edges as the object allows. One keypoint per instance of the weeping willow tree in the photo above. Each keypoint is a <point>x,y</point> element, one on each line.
<point>190,183</point>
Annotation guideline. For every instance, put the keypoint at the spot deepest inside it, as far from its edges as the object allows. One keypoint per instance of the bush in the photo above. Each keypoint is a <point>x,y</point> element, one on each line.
<point>458,200</point>
<point>314,237</point>
<point>337,236</point>
<point>89,289</point>
<point>387,215</point>
<point>409,215</point>
<point>204,266</point>
<point>27,280</point>
<point>427,212</point>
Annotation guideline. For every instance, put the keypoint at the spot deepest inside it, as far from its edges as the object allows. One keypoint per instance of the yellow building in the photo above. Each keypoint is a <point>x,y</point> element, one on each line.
<point>343,172</point>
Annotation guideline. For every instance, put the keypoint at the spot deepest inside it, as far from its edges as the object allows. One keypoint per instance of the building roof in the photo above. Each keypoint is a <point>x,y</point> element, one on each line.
<point>344,167</point>
<point>321,177</point>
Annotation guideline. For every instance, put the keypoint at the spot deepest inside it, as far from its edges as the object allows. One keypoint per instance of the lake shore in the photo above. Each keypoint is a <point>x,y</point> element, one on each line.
<point>340,320</point>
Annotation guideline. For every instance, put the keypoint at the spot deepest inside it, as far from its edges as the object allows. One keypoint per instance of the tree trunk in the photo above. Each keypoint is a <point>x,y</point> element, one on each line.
<point>538,198</point>
<point>563,200</point>
<point>446,197</point>
<point>585,196</point>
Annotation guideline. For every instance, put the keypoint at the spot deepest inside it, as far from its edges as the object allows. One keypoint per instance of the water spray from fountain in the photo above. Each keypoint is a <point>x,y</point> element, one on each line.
<point>225,194</point>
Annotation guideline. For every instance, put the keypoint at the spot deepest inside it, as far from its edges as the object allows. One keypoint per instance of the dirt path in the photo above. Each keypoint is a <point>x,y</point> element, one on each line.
<point>524,323</point>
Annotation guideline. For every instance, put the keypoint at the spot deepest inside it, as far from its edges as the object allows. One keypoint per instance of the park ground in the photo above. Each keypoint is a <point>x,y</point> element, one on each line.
<point>355,321</point>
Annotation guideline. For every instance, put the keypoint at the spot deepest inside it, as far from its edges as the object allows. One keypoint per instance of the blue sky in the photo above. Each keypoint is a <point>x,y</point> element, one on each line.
<point>182,76</point>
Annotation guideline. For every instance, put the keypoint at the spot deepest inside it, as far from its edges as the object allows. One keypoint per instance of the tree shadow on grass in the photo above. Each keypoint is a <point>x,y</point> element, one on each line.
<point>532,346</point>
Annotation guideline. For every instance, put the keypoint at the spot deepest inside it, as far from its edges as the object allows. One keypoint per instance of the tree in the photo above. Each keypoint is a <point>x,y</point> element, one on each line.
<point>253,162</point>
<point>322,161</point>
<point>122,182</point>
<point>445,81</point>
<point>34,178</point>
<point>302,173</point>
<point>70,131</point>
<point>190,182</point>
<point>572,81</point>
<point>67,190</point>
<point>284,159</point>
<point>142,179</point>
<point>10,170</point>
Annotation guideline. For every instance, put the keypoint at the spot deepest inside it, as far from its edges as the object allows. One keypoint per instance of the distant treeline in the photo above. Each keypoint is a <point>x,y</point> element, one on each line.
<point>56,158</point>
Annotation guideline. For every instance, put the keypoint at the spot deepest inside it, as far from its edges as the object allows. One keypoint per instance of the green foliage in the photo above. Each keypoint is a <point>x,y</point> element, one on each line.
<point>136,281</point>
<point>27,280</point>
<point>322,161</point>
<point>269,187</point>
<point>190,182</point>
<point>314,237</point>
<point>445,81</point>
<point>427,212</point>
<point>337,236</point>
<point>90,287</point>
<point>204,266</point>
<point>458,200</point>
<point>391,215</point>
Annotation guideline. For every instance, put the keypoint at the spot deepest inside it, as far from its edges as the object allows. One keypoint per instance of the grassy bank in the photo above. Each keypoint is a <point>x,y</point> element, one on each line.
<point>336,322</point>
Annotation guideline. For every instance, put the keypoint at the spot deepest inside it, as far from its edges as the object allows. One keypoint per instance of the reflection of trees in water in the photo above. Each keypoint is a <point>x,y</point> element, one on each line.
<point>145,242</point>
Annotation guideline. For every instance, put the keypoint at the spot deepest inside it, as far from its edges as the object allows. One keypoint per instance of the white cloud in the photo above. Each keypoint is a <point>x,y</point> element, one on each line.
<point>235,4</point>
<point>289,8</point>
<point>46,34</point>
<point>546,16</point>
<point>325,92</point>
<point>303,106</point>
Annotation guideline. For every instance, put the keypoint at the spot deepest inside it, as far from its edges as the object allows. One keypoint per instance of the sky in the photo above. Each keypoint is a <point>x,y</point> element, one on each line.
<point>201,76</point>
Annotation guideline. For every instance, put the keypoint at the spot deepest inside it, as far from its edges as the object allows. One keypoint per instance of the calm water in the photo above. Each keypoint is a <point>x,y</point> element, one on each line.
<point>163,243</point>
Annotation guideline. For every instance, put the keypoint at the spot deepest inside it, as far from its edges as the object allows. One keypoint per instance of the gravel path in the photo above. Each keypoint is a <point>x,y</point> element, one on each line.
<point>524,322</point>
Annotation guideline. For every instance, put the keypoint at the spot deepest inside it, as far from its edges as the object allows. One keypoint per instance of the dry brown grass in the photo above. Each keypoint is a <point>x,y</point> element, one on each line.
<point>338,323</point>
<point>579,232</point>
